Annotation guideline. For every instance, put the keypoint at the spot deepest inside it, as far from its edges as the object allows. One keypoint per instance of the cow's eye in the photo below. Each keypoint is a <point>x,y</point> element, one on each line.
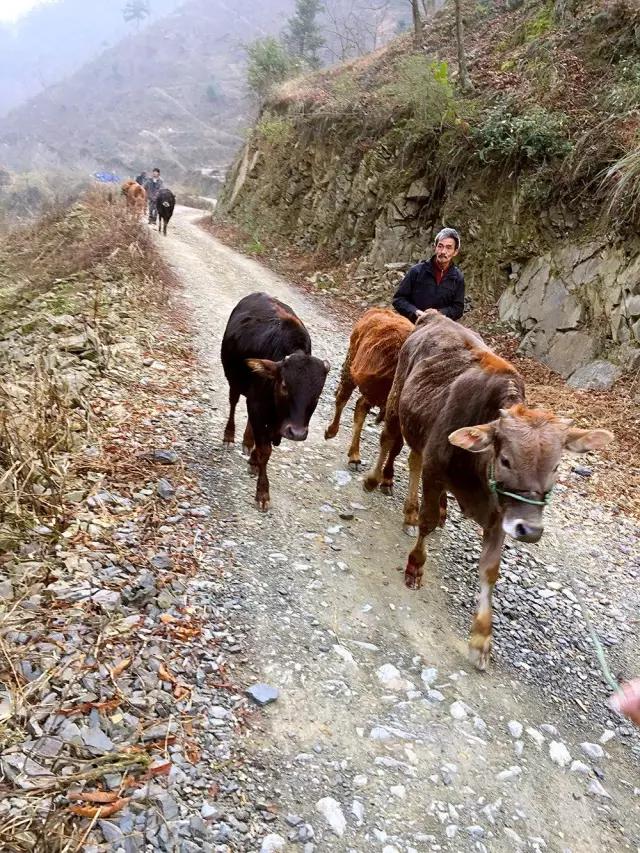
<point>504,461</point>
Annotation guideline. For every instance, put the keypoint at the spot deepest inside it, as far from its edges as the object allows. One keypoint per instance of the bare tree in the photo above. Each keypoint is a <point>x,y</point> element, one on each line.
<point>465,82</point>
<point>355,27</point>
<point>417,23</point>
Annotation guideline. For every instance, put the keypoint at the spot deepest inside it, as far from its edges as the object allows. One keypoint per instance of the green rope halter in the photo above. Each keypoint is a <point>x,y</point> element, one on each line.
<point>495,489</point>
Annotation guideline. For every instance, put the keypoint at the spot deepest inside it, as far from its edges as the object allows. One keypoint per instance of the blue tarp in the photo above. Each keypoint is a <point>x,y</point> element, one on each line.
<point>107,177</point>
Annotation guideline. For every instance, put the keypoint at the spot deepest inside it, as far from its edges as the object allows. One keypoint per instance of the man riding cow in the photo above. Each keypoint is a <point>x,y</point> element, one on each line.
<point>437,283</point>
<point>153,185</point>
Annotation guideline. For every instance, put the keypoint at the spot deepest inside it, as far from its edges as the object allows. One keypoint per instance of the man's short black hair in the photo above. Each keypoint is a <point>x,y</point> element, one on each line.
<point>157,170</point>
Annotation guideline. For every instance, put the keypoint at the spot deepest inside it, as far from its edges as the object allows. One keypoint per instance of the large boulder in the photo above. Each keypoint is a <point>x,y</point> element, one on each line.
<point>569,303</point>
<point>595,376</point>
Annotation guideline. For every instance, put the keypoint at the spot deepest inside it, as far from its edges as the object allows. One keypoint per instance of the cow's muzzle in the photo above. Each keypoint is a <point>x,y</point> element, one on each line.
<point>295,433</point>
<point>522,529</point>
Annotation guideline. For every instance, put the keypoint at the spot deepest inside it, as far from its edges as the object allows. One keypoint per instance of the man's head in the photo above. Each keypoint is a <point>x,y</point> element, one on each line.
<point>447,244</point>
<point>156,173</point>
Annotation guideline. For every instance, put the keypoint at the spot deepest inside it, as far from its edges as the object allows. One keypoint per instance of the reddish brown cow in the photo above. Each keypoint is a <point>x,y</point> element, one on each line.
<point>460,408</point>
<point>136,196</point>
<point>371,361</point>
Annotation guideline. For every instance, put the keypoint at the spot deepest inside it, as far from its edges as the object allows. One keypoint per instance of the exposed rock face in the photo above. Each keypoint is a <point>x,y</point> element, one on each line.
<point>576,303</point>
<point>378,207</point>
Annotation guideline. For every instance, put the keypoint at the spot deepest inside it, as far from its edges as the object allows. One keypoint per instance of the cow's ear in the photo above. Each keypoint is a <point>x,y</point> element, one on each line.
<point>582,440</point>
<point>263,367</point>
<point>473,438</point>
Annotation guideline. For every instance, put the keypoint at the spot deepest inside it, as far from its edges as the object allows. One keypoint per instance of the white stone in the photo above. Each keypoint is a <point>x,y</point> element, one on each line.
<point>380,733</point>
<point>580,767</point>
<point>607,735</point>
<point>331,810</point>
<point>596,790</point>
<point>458,710</point>
<point>429,674</point>
<point>559,753</point>
<point>399,791</point>
<point>345,654</point>
<point>360,781</point>
<point>391,678</point>
<point>515,728</point>
<point>535,736</point>
<point>509,775</point>
<point>357,810</point>
<point>593,750</point>
<point>273,843</point>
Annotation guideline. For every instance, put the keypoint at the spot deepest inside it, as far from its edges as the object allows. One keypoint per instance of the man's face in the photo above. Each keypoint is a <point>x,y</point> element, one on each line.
<point>445,251</point>
<point>156,174</point>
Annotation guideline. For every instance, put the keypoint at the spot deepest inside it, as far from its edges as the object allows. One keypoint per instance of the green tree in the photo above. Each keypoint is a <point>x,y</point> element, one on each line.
<point>302,34</point>
<point>136,10</point>
<point>269,64</point>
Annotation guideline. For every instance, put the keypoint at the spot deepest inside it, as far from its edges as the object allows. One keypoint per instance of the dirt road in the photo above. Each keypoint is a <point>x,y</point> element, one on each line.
<point>383,737</point>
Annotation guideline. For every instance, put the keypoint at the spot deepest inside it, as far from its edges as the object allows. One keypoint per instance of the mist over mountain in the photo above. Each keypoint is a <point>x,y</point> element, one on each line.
<point>55,39</point>
<point>172,95</point>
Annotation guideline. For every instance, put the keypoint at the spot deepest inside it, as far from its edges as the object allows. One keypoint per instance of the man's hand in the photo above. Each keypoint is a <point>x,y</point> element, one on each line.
<point>628,702</point>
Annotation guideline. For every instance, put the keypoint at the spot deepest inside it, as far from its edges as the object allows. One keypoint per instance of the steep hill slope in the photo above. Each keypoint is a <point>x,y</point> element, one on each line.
<point>172,95</point>
<point>365,162</point>
<point>31,57</point>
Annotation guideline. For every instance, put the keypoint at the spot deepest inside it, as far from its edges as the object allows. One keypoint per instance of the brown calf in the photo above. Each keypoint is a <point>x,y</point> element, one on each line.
<point>371,361</point>
<point>136,196</point>
<point>461,410</point>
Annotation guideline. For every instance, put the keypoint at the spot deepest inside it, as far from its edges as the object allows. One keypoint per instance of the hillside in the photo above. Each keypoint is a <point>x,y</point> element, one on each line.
<point>172,95</point>
<point>30,54</point>
<point>363,163</point>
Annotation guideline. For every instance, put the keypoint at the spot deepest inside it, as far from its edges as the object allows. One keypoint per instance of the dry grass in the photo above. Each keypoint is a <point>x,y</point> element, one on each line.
<point>96,263</point>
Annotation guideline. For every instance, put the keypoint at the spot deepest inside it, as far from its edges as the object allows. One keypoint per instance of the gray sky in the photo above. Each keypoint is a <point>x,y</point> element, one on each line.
<point>12,9</point>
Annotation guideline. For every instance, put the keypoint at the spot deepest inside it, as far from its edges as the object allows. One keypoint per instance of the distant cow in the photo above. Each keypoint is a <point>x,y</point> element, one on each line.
<point>165,202</point>
<point>135,195</point>
<point>266,355</point>
<point>370,364</point>
<point>460,408</point>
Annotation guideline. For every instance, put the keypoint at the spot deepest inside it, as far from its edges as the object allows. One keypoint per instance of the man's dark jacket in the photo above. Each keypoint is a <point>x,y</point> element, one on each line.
<point>418,290</point>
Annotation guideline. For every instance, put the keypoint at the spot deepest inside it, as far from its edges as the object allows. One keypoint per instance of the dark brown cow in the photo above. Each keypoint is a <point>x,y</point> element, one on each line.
<point>266,355</point>
<point>460,408</point>
<point>371,361</point>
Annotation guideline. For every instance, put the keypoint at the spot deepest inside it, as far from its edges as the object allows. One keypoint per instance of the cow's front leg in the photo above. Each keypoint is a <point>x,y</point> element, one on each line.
<point>390,446</point>
<point>412,504</point>
<point>480,641</point>
<point>427,522</point>
<point>262,453</point>
<point>230,428</point>
<point>343,392</point>
<point>359,417</point>
<point>247,439</point>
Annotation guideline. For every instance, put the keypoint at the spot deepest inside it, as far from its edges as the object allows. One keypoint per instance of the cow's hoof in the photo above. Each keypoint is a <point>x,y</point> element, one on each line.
<point>253,470</point>
<point>410,529</point>
<point>412,575</point>
<point>330,433</point>
<point>355,464</point>
<point>262,504</point>
<point>386,489</point>
<point>370,484</point>
<point>246,450</point>
<point>480,653</point>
